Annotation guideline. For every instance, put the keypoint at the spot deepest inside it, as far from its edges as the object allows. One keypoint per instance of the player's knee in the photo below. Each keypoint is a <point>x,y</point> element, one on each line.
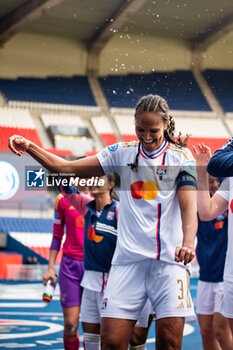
<point>137,339</point>
<point>222,335</point>
<point>70,328</point>
<point>207,333</point>
<point>110,341</point>
<point>168,341</point>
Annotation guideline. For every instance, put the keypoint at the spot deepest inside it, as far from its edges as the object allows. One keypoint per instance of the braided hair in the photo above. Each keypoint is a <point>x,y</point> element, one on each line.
<point>157,104</point>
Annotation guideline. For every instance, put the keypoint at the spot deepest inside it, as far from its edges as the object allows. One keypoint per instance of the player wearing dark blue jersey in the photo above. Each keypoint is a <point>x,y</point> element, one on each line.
<point>211,254</point>
<point>221,164</point>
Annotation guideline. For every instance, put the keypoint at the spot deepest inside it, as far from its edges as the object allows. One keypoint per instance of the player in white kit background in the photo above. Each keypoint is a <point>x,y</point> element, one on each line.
<point>156,227</point>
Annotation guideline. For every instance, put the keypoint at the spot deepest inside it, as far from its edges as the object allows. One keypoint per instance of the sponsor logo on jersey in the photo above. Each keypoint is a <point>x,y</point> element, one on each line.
<point>147,190</point>
<point>113,148</point>
<point>219,224</point>
<point>92,236</point>
<point>180,306</point>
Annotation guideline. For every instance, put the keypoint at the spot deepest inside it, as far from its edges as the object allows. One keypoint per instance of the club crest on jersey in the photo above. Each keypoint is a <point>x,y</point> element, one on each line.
<point>161,170</point>
<point>220,217</point>
<point>104,303</point>
<point>113,148</point>
<point>110,215</point>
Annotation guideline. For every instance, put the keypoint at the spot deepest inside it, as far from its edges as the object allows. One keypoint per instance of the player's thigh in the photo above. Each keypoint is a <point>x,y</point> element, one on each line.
<point>205,298</point>
<point>93,328</point>
<point>206,324</point>
<point>71,316</point>
<point>125,293</point>
<point>221,327</point>
<point>116,333</point>
<point>169,333</point>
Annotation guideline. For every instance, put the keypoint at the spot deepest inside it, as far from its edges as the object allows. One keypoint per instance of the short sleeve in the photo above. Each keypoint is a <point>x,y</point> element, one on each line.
<point>223,190</point>
<point>59,220</point>
<point>188,163</point>
<point>109,158</point>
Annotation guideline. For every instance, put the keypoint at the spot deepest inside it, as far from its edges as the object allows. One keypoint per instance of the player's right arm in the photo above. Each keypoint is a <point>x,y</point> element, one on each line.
<point>84,168</point>
<point>208,208</point>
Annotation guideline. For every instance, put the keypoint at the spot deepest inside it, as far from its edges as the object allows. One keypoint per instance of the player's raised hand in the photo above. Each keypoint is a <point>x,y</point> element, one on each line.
<point>202,154</point>
<point>18,144</point>
<point>184,254</point>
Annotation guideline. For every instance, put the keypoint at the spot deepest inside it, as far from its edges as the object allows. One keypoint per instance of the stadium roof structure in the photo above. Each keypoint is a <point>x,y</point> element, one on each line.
<point>92,22</point>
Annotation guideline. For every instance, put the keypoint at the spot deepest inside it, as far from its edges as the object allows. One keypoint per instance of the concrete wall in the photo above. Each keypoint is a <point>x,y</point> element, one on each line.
<point>36,55</point>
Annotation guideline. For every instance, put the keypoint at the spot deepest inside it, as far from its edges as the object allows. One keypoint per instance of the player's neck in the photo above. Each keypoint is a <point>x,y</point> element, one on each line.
<point>102,200</point>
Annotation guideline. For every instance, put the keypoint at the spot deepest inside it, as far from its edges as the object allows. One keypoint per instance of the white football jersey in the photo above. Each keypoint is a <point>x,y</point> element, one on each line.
<point>149,224</point>
<point>226,191</point>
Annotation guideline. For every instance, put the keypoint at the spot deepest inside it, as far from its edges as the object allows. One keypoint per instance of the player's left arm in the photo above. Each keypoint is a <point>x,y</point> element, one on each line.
<point>187,197</point>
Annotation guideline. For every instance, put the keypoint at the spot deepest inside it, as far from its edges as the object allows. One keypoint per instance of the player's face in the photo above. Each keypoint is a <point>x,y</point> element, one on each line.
<point>97,190</point>
<point>150,130</point>
<point>214,184</point>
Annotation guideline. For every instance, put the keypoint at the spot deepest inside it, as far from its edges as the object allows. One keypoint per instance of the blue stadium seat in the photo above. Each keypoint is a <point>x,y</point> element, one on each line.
<point>8,224</point>
<point>179,88</point>
<point>221,82</point>
<point>60,90</point>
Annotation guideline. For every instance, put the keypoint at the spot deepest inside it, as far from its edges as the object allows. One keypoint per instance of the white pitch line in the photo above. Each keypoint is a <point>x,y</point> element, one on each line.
<point>23,305</point>
<point>32,313</point>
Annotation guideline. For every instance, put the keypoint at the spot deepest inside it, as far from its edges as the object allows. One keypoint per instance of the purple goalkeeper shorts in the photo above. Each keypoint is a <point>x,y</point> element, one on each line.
<point>70,276</point>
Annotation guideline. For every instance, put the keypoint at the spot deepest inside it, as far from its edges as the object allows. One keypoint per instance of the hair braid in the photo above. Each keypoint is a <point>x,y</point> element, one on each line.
<point>134,165</point>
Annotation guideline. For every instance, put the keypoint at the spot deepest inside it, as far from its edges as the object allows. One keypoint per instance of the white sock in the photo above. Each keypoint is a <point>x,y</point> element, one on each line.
<point>138,347</point>
<point>91,341</point>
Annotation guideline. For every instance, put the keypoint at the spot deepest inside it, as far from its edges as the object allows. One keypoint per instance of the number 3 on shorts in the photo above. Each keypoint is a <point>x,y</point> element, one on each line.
<point>180,283</point>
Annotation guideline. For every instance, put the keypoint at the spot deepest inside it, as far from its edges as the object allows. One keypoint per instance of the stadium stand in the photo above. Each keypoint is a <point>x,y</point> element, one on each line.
<point>179,88</point>
<point>60,90</point>
<point>8,224</point>
<point>19,121</point>
<point>14,121</point>
<point>26,234</point>
<point>104,129</point>
<point>221,82</point>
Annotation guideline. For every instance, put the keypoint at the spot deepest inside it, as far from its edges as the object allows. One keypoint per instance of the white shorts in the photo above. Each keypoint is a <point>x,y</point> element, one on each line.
<point>166,285</point>
<point>144,317</point>
<point>209,297</point>
<point>227,301</point>
<point>91,306</point>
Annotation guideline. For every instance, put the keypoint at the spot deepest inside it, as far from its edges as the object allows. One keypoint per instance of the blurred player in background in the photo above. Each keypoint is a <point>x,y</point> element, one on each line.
<point>101,215</point>
<point>100,212</point>
<point>210,208</point>
<point>156,228</point>
<point>71,268</point>
<point>211,254</point>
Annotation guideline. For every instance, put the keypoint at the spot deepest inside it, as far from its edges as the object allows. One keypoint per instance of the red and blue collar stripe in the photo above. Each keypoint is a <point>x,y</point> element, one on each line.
<point>156,154</point>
